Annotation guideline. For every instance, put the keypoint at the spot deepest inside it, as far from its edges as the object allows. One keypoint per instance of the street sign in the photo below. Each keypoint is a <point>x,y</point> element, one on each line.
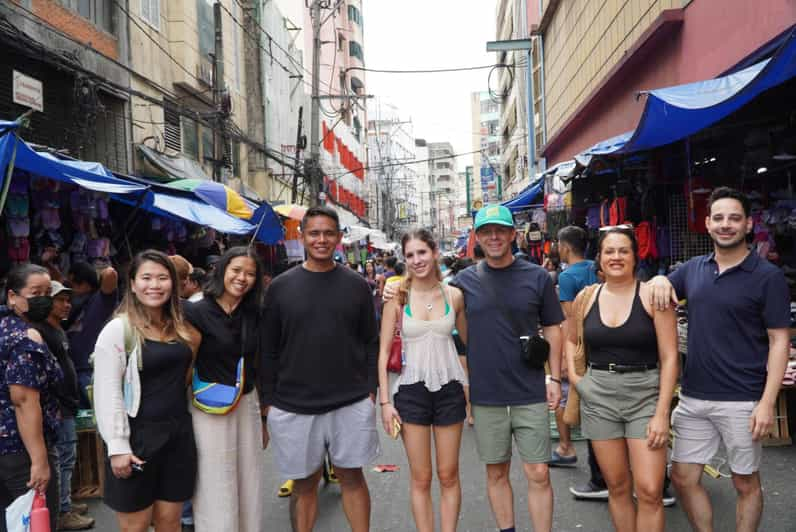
<point>28,91</point>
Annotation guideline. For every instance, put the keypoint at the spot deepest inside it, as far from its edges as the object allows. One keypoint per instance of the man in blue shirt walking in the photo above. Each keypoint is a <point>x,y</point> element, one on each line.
<point>738,314</point>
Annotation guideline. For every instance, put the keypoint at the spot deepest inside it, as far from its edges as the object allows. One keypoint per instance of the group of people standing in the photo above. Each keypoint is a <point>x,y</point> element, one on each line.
<point>187,394</point>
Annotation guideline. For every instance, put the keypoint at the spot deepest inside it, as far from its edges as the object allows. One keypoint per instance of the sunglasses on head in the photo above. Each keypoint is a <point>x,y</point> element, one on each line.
<point>623,227</point>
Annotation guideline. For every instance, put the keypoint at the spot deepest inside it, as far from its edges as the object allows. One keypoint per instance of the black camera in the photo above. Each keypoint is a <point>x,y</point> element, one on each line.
<point>534,350</point>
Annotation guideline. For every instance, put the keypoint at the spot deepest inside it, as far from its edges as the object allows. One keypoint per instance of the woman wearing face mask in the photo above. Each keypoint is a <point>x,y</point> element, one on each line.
<point>229,435</point>
<point>627,389</point>
<point>29,378</point>
<point>151,466</point>
<point>428,395</point>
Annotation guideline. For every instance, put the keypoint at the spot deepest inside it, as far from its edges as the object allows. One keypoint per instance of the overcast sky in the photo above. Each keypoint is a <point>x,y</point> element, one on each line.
<point>427,34</point>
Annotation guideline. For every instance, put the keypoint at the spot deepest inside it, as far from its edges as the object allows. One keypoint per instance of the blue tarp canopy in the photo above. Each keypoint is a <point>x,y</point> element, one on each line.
<point>525,198</point>
<point>190,210</point>
<point>673,113</point>
<point>92,176</point>
<point>269,226</point>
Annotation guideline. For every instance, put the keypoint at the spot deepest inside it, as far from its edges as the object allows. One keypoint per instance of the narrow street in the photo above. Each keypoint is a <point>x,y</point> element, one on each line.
<point>389,492</point>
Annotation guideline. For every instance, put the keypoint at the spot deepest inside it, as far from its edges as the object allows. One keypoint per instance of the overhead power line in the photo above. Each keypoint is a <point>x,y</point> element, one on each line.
<point>435,70</point>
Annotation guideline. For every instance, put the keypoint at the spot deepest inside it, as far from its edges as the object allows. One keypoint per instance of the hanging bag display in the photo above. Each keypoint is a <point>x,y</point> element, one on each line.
<point>534,349</point>
<point>216,398</point>
<point>395,362</point>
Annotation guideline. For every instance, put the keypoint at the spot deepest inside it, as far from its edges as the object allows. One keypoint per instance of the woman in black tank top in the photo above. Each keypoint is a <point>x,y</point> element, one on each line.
<point>627,389</point>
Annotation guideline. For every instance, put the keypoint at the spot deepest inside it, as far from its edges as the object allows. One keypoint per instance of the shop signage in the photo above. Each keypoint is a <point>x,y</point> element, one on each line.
<point>28,91</point>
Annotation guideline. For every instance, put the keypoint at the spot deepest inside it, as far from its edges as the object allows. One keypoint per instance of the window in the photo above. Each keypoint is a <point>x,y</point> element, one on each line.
<point>98,12</point>
<point>340,42</point>
<point>171,129</point>
<point>150,12</point>
<point>355,50</point>
<point>354,15</point>
<point>236,43</point>
<point>190,138</point>
<point>204,15</point>
<point>207,144</point>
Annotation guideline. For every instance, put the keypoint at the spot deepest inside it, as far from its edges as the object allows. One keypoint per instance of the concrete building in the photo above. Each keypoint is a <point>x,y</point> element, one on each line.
<point>422,169</point>
<point>71,60</point>
<point>595,58</point>
<point>444,191</point>
<point>487,181</point>
<point>512,92</point>
<point>393,185</point>
<point>283,79</point>
<point>343,113</point>
<point>170,53</point>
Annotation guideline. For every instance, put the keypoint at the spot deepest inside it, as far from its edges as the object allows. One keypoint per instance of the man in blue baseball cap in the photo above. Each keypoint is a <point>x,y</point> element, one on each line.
<point>506,298</point>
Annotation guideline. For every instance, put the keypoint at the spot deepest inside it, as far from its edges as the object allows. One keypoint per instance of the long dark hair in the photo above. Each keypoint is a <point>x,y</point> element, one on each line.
<point>425,236</point>
<point>215,285</point>
<point>173,320</point>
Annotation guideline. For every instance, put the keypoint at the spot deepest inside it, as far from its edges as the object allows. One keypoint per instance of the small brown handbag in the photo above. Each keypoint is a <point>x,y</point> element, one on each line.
<point>572,410</point>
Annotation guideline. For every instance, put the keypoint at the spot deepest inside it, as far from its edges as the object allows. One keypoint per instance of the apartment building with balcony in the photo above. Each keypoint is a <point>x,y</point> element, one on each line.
<point>444,189</point>
<point>595,59</point>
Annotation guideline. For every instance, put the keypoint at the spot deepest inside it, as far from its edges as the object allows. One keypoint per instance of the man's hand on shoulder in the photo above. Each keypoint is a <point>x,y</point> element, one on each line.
<point>662,293</point>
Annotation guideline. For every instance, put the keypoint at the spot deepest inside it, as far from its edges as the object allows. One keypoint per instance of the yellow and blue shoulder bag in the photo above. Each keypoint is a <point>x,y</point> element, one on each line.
<point>216,398</point>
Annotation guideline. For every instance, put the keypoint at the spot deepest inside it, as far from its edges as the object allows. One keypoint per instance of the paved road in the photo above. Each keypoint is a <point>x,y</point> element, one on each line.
<point>391,506</point>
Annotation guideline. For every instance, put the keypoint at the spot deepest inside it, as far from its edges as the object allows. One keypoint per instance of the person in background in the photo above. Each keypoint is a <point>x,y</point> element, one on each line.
<point>94,300</point>
<point>151,465</point>
<point>72,515</point>
<point>230,444</point>
<point>372,278</point>
<point>428,395</point>
<point>29,380</point>
<point>183,269</point>
<point>389,271</point>
<point>578,274</point>
<point>626,391</point>
<point>194,285</point>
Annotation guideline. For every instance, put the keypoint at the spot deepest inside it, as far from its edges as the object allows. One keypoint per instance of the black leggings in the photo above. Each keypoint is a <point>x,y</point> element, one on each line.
<point>14,477</point>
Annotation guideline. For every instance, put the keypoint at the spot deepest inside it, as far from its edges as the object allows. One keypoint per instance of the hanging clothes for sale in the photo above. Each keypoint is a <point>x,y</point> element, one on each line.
<point>646,238</point>
<point>697,192</point>
<point>534,238</point>
<point>617,211</point>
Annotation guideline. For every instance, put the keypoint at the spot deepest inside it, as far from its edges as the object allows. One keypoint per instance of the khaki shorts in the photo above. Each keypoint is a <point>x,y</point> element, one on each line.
<point>617,405</point>
<point>699,426</point>
<point>529,424</point>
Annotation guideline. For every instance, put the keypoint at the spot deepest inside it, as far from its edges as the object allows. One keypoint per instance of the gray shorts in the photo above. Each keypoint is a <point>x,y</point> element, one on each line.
<point>700,425</point>
<point>495,426</point>
<point>300,441</point>
<point>617,405</point>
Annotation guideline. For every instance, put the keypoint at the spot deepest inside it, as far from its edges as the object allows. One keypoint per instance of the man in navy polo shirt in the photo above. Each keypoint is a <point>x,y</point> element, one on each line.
<point>738,318</point>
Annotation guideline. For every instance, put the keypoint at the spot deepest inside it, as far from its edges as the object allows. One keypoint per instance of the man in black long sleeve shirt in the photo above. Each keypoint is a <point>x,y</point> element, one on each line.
<point>319,374</point>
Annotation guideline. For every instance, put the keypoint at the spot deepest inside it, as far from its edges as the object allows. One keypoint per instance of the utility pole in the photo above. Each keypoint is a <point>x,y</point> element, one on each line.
<point>219,140</point>
<point>299,147</point>
<point>313,166</point>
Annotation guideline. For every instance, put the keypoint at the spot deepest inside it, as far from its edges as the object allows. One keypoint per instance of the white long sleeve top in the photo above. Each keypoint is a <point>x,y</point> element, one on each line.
<point>110,361</point>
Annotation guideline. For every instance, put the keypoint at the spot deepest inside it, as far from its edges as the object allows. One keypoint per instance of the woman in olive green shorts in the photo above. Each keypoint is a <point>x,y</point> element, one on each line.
<point>626,391</point>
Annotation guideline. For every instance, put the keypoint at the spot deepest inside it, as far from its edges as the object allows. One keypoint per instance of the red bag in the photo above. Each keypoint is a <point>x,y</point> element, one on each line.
<point>395,363</point>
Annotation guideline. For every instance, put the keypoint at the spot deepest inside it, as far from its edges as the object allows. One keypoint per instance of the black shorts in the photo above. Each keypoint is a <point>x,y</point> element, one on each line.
<point>169,474</point>
<point>415,404</point>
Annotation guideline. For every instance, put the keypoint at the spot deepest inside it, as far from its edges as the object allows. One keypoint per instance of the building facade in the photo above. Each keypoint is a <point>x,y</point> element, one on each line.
<point>444,190</point>
<point>177,111</point>
<point>67,63</point>
<point>486,183</point>
<point>392,198</point>
<point>596,58</point>
<point>512,93</point>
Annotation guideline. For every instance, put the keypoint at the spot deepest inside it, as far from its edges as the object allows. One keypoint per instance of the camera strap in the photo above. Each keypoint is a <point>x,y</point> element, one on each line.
<point>492,291</point>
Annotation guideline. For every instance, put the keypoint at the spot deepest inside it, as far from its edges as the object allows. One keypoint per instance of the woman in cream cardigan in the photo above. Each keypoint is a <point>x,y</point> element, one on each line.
<point>141,362</point>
